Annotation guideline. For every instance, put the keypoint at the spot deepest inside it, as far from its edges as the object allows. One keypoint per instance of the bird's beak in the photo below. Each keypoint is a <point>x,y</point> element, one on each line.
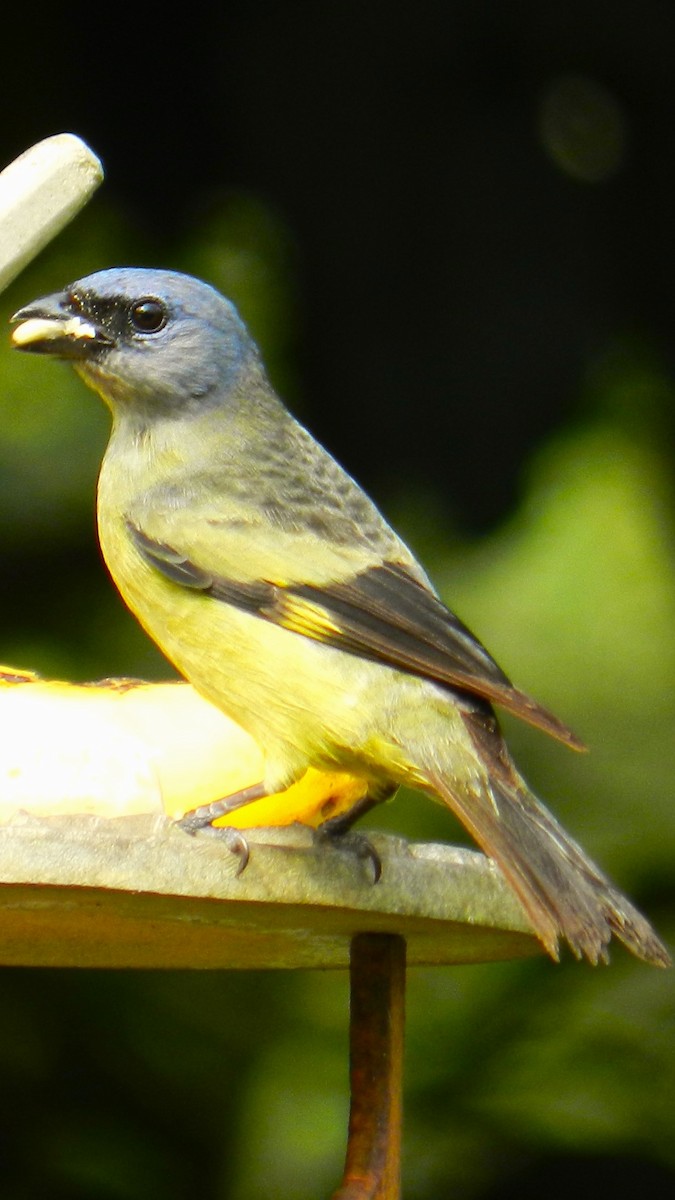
<point>49,326</point>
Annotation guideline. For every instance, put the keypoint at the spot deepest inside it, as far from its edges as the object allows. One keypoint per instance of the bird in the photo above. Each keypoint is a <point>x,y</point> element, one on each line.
<point>277,588</point>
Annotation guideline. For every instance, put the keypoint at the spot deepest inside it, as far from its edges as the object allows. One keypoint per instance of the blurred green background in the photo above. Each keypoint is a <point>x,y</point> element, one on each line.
<point>450,227</point>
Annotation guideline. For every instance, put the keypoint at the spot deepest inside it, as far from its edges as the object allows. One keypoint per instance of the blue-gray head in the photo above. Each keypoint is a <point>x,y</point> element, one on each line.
<point>144,338</point>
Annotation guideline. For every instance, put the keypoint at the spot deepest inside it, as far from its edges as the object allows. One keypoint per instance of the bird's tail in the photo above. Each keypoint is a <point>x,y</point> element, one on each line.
<point>563,892</point>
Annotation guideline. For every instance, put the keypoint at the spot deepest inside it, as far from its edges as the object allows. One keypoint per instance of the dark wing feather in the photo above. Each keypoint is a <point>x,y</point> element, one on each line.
<point>382,613</point>
<point>386,614</point>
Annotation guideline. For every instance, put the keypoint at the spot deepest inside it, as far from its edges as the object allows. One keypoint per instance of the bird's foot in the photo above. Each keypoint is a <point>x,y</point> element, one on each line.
<point>200,820</point>
<point>232,839</point>
<point>336,834</point>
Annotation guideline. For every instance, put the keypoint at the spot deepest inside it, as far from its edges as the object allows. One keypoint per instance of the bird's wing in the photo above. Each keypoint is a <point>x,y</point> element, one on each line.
<point>341,595</point>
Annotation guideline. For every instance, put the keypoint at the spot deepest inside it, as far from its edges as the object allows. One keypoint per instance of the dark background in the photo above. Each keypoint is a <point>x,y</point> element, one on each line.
<point>450,225</point>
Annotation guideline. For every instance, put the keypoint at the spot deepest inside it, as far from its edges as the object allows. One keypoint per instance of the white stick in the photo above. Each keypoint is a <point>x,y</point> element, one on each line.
<point>40,192</point>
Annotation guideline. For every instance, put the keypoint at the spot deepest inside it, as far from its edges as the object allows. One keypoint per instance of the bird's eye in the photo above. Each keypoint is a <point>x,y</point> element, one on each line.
<point>148,315</point>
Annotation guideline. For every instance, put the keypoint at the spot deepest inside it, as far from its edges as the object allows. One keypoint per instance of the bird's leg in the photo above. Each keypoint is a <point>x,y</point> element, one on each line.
<point>206,814</point>
<point>338,831</point>
<point>202,818</point>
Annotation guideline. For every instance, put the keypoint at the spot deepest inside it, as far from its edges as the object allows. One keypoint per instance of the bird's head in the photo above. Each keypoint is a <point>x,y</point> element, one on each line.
<point>144,339</point>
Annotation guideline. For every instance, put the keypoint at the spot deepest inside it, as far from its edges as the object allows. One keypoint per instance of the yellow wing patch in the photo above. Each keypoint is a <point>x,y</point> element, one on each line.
<point>305,617</point>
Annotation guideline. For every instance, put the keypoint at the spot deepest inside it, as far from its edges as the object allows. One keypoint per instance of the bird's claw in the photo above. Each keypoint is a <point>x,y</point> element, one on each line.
<point>356,843</point>
<point>237,844</point>
<point>197,822</point>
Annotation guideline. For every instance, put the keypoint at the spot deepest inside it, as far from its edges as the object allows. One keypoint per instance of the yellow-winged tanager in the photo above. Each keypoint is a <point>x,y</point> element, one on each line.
<point>276,587</point>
